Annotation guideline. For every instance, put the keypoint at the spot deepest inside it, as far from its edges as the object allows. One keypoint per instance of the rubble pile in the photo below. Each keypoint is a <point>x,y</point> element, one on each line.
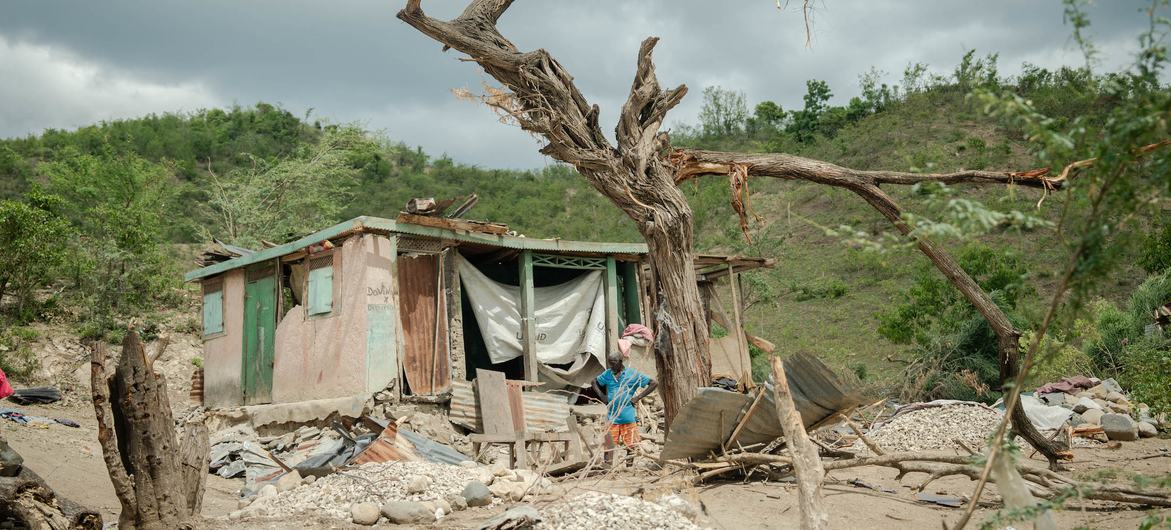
<point>1101,404</point>
<point>935,428</point>
<point>593,510</point>
<point>333,495</point>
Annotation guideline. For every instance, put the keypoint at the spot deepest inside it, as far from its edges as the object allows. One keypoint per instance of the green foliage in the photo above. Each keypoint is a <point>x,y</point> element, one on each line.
<point>724,112</point>
<point>1155,256</point>
<point>1146,372</point>
<point>807,121</point>
<point>35,249</point>
<point>831,288</point>
<point>283,199</point>
<point>16,355</point>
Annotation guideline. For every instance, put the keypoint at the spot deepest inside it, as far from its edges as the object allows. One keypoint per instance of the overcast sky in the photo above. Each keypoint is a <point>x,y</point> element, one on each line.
<point>65,64</point>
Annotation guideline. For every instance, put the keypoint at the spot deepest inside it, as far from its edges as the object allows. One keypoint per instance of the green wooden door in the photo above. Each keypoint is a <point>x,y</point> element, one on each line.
<point>259,339</point>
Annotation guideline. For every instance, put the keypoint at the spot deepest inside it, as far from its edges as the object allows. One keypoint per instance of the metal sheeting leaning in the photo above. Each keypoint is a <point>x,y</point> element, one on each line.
<point>544,412</point>
<point>706,422</point>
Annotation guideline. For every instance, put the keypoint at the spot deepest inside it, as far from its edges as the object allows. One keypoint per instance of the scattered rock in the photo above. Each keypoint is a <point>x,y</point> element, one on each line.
<point>457,502</point>
<point>680,505</point>
<point>364,513</point>
<point>243,503</point>
<point>1053,398</point>
<point>593,510</point>
<point>501,489</point>
<point>935,428</point>
<point>1115,396</point>
<point>523,516</point>
<point>1084,404</point>
<point>1093,416</point>
<point>442,504</point>
<point>1098,392</point>
<point>1147,430</point>
<point>1111,385</point>
<point>1102,403</point>
<point>1070,399</point>
<point>477,494</point>
<point>418,484</point>
<point>309,479</point>
<point>266,491</point>
<point>407,512</point>
<point>288,481</point>
<point>1120,427</point>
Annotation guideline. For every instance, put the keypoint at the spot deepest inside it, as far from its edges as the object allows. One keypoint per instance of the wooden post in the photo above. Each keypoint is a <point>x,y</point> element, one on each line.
<point>612,330</point>
<point>738,324</point>
<point>528,321</point>
<point>806,462</point>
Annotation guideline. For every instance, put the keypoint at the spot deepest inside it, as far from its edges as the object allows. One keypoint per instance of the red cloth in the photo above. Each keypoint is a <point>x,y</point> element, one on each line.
<point>640,331</point>
<point>5,388</point>
<point>1069,385</point>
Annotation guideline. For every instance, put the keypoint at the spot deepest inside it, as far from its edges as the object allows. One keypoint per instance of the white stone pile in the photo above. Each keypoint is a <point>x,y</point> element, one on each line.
<point>333,495</point>
<point>593,511</point>
<point>935,428</point>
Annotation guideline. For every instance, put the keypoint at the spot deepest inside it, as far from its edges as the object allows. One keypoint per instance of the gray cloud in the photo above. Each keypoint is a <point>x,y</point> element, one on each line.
<point>65,63</point>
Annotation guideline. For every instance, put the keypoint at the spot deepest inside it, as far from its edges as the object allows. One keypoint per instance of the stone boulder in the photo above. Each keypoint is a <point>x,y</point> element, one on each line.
<point>1147,430</point>
<point>418,484</point>
<point>1093,416</point>
<point>1084,404</point>
<point>477,494</point>
<point>1115,397</point>
<point>1119,427</point>
<point>457,502</point>
<point>407,512</point>
<point>365,513</point>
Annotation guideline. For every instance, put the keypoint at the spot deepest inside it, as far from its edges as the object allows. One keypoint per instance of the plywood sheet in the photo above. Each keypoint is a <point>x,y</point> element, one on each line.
<point>492,394</point>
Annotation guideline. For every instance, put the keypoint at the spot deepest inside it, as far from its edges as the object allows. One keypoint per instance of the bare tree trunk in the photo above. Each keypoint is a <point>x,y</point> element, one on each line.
<point>632,174</point>
<point>806,461</point>
<point>140,449</point>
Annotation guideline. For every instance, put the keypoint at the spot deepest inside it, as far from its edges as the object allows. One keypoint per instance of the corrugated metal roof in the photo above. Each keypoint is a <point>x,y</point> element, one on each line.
<point>378,224</point>
<point>544,412</point>
<point>706,422</point>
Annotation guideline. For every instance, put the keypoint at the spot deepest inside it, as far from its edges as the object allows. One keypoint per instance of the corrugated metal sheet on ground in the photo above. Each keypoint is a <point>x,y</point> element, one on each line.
<point>706,422</point>
<point>544,412</point>
<point>405,445</point>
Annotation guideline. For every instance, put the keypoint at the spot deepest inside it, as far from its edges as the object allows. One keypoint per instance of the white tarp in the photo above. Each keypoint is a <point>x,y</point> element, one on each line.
<point>571,323</point>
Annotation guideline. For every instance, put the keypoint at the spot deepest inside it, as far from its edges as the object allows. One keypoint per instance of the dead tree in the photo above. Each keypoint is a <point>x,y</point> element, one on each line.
<point>155,484</point>
<point>640,174</point>
<point>26,501</point>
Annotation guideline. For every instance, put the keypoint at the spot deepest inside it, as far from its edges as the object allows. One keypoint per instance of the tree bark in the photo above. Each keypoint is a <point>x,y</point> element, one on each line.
<point>27,499</point>
<point>140,448</point>
<point>806,462</point>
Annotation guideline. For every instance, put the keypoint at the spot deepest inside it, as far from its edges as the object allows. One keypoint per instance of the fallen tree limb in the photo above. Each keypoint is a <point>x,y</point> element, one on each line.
<point>806,463</point>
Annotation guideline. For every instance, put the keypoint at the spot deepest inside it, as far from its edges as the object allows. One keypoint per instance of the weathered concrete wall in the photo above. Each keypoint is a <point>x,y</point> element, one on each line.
<point>222,354</point>
<point>325,356</point>
<point>381,315</point>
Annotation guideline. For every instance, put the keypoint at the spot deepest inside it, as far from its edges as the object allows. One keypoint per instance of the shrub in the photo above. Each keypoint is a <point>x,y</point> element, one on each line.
<point>1146,373</point>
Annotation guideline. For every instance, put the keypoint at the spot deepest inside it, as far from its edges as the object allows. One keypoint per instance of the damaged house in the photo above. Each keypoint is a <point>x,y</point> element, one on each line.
<point>415,304</point>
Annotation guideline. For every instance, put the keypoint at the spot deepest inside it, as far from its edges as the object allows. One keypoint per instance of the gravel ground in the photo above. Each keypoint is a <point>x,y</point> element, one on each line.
<point>935,428</point>
<point>333,494</point>
<point>594,511</point>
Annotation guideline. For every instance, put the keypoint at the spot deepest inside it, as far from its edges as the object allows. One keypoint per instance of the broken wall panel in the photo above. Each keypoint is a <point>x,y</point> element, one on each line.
<point>422,313</point>
<point>324,356</point>
<point>381,313</point>
<point>223,352</point>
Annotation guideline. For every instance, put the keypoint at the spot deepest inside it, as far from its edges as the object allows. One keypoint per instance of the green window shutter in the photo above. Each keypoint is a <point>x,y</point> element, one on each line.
<point>321,290</point>
<point>213,313</point>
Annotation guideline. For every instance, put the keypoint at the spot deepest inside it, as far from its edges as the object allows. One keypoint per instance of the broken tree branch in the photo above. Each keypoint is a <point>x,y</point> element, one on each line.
<point>806,463</point>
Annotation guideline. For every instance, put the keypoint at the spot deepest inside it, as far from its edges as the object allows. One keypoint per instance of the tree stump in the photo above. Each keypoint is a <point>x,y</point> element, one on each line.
<point>159,484</point>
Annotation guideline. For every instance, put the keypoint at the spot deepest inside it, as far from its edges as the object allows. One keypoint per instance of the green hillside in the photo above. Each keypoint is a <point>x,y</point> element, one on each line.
<point>130,187</point>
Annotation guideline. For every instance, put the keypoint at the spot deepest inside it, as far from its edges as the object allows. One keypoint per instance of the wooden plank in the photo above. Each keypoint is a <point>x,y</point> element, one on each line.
<point>744,420</point>
<point>528,319</point>
<point>611,285</point>
<point>516,405</point>
<point>738,329</point>
<point>495,412</point>
<point>454,224</point>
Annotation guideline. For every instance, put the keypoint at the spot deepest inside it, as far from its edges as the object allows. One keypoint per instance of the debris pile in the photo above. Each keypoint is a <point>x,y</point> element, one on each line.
<point>593,510</point>
<point>333,495</point>
<point>1096,408</point>
<point>927,428</point>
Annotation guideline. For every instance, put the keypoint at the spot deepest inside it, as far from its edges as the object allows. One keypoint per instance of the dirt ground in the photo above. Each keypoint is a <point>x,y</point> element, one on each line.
<point>70,460</point>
